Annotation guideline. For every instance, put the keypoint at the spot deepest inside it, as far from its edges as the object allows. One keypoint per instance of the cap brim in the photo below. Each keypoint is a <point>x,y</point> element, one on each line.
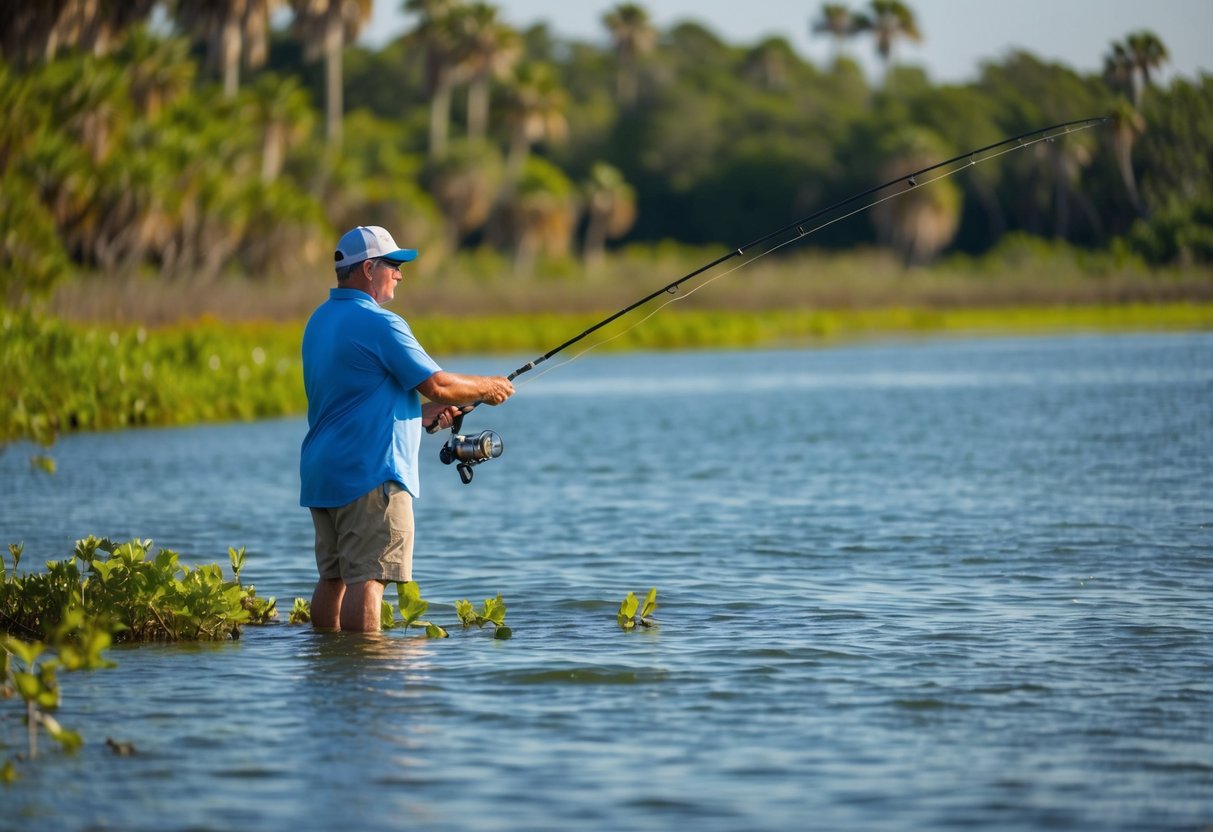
<point>403,255</point>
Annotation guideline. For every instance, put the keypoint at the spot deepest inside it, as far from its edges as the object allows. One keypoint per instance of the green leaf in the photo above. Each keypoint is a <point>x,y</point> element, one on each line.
<point>494,609</point>
<point>8,772</point>
<point>43,463</point>
<point>387,617</point>
<point>407,592</point>
<point>626,622</point>
<point>466,612</point>
<point>26,651</point>
<point>15,549</point>
<point>70,740</point>
<point>236,556</point>
<point>650,603</point>
<point>28,685</point>
<point>629,606</point>
<point>434,631</point>
<point>503,633</point>
<point>302,612</point>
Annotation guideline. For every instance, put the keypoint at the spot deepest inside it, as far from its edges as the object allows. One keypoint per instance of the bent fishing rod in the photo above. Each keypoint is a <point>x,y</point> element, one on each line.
<point>470,451</point>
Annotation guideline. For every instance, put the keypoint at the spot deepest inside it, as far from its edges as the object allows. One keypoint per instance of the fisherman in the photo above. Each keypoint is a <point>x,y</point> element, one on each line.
<point>363,371</point>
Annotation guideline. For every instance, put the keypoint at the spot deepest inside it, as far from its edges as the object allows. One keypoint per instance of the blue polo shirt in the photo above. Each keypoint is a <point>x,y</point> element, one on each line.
<point>361,365</point>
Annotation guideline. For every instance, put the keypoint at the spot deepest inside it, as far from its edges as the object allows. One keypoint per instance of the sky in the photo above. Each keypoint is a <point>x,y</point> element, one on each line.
<point>958,34</point>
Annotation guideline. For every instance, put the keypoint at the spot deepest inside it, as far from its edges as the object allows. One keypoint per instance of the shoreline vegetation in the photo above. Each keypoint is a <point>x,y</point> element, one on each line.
<point>65,373</point>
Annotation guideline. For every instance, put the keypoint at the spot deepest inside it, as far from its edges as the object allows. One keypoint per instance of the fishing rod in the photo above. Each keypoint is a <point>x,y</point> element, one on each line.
<point>471,451</point>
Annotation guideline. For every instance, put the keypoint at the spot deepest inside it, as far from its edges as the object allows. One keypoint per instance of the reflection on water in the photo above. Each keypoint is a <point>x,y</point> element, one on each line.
<point>913,586</point>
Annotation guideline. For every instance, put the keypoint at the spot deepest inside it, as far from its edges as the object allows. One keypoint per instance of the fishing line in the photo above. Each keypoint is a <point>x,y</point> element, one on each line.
<point>709,281</point>
<point>471,451</point>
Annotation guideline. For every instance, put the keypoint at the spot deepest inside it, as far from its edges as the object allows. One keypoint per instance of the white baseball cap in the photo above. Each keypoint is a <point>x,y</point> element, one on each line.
<point>366,242</point>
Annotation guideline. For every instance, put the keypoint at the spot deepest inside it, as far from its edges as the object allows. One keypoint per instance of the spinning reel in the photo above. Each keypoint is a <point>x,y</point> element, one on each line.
<point>469,451</point>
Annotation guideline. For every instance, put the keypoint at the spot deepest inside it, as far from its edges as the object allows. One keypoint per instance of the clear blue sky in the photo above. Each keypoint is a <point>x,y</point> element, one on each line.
<point>959,34</point>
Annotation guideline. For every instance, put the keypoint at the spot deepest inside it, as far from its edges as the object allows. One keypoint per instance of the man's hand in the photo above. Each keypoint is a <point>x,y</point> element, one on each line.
<point>438,417</point>
<point>496,389</point>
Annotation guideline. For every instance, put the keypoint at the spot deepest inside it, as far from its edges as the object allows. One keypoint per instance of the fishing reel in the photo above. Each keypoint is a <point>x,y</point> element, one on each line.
<point>469,451</point>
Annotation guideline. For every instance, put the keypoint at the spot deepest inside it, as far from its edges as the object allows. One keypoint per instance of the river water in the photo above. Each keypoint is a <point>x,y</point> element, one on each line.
<point>942,584</point>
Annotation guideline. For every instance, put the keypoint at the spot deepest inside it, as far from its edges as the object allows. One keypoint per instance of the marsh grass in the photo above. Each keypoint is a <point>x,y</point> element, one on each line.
<point>149,352</point>
<point>479,284</point>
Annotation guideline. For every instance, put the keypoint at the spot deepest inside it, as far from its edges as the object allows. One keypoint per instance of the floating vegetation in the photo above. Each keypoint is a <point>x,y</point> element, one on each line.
<point>632,613</point>
<point>412,607</point>
<point>492,611</point>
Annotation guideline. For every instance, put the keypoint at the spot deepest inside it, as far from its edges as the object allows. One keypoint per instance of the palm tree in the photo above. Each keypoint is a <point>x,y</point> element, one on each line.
<point>1148,54</point>
<point>534,109</point>
<point>1127,125</point>
<point>919,223</point>
<point>234,31</point>
<point>325,26</point>
<point>540,213</point>
<point>611,205</point>
<point>890,21</point>
<point>840,23</point>
<point>284,112</point>
<point>463,183</point>
<point>160,70</point>
<point>33,30</point>
<point>1120,71</point>
<point>435,37</point>
<point>767,63</point>
<point>487,49</point>
<point>633,37</point>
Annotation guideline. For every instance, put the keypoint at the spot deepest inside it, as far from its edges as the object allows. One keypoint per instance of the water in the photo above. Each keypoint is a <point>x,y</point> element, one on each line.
<point>933,585</point>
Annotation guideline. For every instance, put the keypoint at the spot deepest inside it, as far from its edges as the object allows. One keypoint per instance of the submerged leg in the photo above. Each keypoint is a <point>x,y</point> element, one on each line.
<point>360,608</point>
<point>326,603</point>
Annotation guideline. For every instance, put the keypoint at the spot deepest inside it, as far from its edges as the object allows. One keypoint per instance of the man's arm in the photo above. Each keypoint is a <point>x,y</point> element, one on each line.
<point>457,389</point>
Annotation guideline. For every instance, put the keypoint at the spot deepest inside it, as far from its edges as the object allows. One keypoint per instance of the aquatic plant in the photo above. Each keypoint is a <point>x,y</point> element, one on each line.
<point>412,607</point>
<point>491,612</point>
<point>301,613</point>
<point>139,595</point>
<point>632,613</point>
<point>29,669</point>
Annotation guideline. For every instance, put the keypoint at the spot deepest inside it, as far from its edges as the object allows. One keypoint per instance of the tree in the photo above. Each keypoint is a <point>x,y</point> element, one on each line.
<point>1127,125</point>
<point>633,37</point>
<point>840,24</point>
<point>768,62</point>
<point>535,111</point>
<point>889,22</point>
<point>1148,53</point>
<point>540,212</point>
<point>281,108</point>
<point>436,39</point>
<point>30,31</point>
<point>463,182</point>
<point>919,223</point>
<point>611,205</point>
<point>325,26</point>
<point>235,31</point>
<point>488,49</point>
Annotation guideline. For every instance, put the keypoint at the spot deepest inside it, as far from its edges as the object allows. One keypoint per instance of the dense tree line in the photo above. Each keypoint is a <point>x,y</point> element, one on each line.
<point>193,138</point>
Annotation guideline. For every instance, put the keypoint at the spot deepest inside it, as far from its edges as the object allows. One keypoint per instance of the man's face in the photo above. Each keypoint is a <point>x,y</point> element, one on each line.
<point>384,277</point>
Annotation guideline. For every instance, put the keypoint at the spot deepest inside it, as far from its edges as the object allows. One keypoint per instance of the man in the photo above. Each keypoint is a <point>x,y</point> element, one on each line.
<point>363,370</point>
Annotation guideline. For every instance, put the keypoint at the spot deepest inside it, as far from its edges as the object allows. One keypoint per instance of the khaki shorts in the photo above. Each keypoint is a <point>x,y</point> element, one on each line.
<point>370,539</point>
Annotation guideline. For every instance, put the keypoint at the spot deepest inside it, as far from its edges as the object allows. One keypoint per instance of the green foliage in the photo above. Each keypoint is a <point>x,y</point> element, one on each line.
<point>59,377</point>
<point>134,162</point>
<point>29,670</point>
<point>301,613</point>
<point>1182,234</point>
<point>137,594</point>
<point>412,607</point>
<point>631,612</point>
<point>492,611</point>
